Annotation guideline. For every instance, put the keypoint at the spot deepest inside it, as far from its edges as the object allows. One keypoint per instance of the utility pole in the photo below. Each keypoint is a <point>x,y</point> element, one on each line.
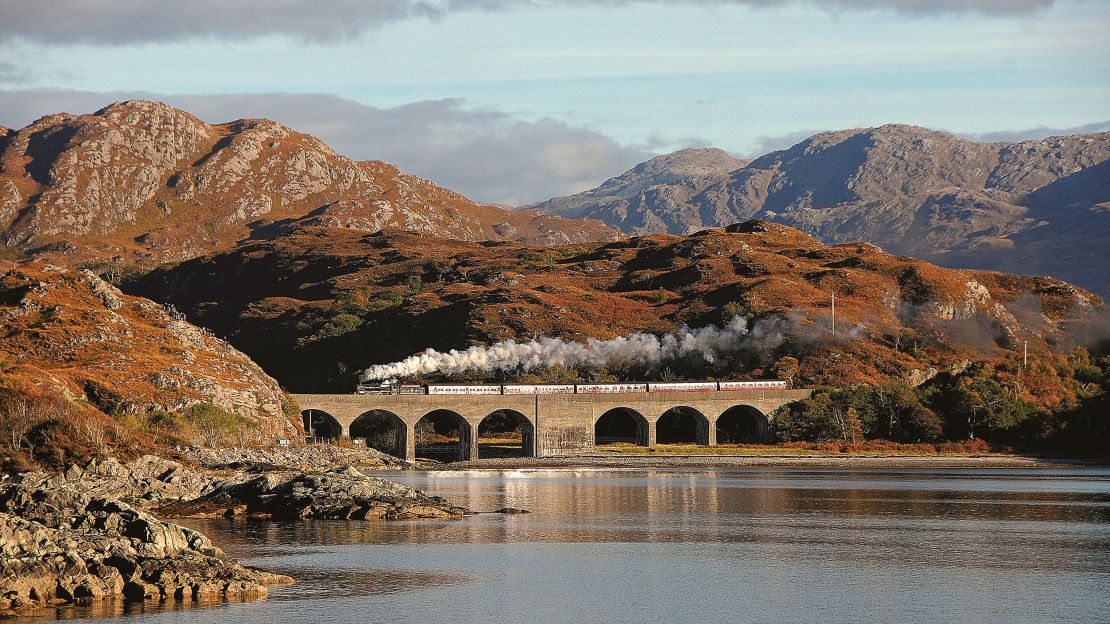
<point>834,312</point>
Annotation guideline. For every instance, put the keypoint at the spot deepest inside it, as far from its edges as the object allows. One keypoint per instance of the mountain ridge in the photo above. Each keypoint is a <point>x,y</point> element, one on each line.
<point>1038,206</point>
<point>142,181</point>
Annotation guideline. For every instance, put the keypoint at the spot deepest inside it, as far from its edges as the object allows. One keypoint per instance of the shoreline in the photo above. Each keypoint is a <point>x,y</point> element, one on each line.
<point>863,460</point>
<point>107,531</point>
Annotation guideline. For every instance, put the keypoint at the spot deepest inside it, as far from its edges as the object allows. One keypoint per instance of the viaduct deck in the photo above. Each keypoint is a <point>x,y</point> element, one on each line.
<point>553,424</point>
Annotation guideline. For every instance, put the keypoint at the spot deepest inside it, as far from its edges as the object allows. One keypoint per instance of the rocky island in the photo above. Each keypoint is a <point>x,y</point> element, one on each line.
<point>90,533</point>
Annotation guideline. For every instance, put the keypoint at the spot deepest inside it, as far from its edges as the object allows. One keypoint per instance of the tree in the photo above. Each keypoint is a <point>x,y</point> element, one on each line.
<point>731,310</point>
<point>986,402</point>
<point>21,413</point>
<point>810,419</point>
<point>786,367</point>
<point>907,420</point>
<point>853,429</point>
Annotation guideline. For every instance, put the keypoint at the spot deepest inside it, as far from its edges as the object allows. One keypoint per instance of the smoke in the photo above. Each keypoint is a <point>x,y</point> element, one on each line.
<point>706,342</point>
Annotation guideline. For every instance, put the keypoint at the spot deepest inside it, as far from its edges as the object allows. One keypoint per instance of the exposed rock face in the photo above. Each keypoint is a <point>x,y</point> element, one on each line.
<point>654,196</point>
<point>67,548</point>
<point>1034,207</point>
<point>149,182</point>
<point>70,330</point>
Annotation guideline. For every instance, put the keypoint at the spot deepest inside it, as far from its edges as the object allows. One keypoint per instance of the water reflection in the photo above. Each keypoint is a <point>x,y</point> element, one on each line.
<point>621,545</point>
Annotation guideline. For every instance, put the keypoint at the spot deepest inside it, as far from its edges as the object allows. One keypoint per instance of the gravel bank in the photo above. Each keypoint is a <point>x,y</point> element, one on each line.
<point>770,461</point>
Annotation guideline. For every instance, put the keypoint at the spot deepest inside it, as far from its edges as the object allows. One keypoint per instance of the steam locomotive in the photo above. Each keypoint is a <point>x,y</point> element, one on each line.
<point>393,387</point>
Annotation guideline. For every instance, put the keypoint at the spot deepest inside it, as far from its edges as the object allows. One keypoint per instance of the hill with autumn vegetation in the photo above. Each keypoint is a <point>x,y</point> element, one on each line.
<point>315,305</point>
<point>140,183</point>
<point>84,368</point>
<point>1035,207</point>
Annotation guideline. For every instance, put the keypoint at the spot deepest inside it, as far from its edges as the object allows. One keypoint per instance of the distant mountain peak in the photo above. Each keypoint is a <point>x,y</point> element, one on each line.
<point>1020,207</point>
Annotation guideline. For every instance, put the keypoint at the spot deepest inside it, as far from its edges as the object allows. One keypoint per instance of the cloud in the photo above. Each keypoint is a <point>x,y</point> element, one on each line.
<point>114,22</point>
<point>1036,134</point>
<point>486,154</point>
<point>772,143</point>
<point>10,74</point>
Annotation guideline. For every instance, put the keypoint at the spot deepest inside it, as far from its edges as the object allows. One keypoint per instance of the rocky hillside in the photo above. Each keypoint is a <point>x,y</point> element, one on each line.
<point>65,332</point>
<point>315,305</point>
<point>654,196</point>
<point>142,181</point>
<point>1037,207</point>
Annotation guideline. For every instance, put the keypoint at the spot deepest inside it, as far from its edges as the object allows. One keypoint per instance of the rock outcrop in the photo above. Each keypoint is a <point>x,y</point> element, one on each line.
<point>144,482</point>
<point>1036,207</point>
<point>57,548</point>
<point>344,494</point>
<point>140,182</point>
<point>325,486</point>
<point>88,533</point>
<point>311,458</point>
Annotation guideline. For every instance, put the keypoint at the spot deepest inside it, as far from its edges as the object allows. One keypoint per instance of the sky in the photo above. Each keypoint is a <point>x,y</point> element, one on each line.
<point>516,101</point>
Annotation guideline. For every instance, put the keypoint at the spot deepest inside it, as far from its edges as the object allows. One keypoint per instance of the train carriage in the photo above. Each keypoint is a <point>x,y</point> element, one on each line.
<point>463,389</point>
<point>613,388</point>
<point>683,386</point>
<point>759,384</point>
<point>538,389</point>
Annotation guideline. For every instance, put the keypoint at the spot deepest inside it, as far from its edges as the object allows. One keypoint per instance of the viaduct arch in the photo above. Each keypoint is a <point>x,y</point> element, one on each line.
<point>557,424</point>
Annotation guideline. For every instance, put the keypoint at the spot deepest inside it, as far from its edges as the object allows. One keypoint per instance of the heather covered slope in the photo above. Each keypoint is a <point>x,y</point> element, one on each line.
<point>315,305</point>
<point>1036,207</point>
<point>83,365</point>
<point>147,183</point>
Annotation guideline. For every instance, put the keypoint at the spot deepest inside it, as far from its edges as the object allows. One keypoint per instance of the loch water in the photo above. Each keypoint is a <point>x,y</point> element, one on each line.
<point>698,545</point>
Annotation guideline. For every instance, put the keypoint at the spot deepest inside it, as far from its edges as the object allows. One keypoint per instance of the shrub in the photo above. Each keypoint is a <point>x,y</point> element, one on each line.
<point>210,425</point>
<point>338,325</point>
<point>976,446</point>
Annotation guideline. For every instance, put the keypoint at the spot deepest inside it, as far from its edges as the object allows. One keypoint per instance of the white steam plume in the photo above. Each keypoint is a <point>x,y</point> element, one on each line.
<point>707,342</point>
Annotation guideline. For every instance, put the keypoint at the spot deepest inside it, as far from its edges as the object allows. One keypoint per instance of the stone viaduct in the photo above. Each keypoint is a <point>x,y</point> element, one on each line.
<point>551,424</point>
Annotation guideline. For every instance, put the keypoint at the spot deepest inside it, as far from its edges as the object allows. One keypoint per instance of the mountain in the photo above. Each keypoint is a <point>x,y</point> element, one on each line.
<point>68,333</point>
<point>142,181</point>
<point>1036,207</point>
<point>652,197</point>
<point>315,305</point>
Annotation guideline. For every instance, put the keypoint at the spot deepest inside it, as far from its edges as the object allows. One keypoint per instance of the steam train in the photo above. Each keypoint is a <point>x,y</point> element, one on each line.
<point>393,387</point>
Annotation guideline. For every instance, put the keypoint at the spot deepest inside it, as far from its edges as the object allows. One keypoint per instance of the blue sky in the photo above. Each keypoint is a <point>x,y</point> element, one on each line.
<point>516,101</point>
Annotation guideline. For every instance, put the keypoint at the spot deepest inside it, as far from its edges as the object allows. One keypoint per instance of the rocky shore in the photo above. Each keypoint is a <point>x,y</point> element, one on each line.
<point>304,458</point>
<point>91,532</point>
<point>60,547</point>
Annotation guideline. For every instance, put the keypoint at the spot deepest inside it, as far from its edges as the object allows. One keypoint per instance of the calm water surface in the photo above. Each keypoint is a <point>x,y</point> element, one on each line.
<point>697,545</point>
